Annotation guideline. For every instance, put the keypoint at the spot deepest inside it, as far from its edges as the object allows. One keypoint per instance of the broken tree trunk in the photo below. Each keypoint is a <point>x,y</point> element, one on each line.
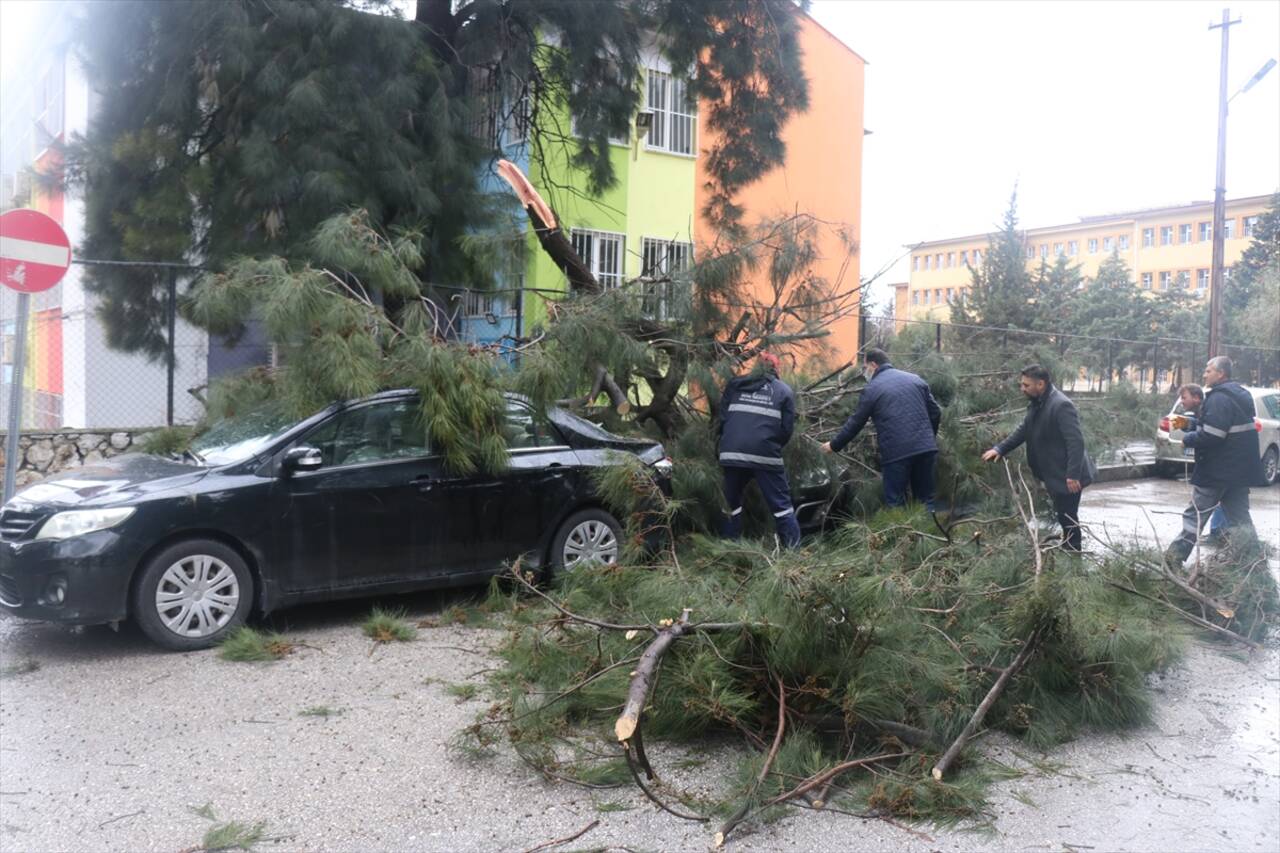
<point>1024,655</point>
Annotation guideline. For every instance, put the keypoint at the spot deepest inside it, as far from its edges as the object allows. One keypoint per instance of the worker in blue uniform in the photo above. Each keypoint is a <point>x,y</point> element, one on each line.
<point>757,416</point>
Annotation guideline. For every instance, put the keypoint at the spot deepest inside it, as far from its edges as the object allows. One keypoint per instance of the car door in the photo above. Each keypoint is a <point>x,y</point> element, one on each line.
<point>519,506</point>
<point>374,513</point>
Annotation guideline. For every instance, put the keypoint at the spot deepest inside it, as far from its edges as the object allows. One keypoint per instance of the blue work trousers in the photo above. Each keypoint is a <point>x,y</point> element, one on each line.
<point>918,471</point>
<point>777,496</point>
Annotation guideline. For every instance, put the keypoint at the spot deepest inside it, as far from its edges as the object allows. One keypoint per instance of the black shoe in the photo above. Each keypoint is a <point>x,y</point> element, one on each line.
<point>1177,554</point>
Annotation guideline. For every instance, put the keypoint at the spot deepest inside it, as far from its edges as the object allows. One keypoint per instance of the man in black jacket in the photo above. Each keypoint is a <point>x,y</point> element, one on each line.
<point>906,417</point>
<point>1055,449</point>
<point>1227,461</point>
<point>757,417</point>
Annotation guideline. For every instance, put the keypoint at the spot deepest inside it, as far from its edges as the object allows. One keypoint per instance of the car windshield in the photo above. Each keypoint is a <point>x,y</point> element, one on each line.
<point>242,437</point>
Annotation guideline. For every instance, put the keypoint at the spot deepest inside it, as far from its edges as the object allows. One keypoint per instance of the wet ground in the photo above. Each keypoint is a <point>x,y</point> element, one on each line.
<point>112,745</point>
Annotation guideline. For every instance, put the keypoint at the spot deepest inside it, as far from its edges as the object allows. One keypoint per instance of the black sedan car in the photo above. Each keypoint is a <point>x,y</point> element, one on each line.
<point>262,513</point>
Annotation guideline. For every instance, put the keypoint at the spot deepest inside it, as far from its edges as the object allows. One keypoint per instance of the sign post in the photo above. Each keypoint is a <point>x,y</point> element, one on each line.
<point>34,256</point>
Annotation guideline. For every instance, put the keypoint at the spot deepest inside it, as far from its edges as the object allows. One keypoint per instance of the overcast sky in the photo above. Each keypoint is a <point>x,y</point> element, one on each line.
<point>1091,107</point>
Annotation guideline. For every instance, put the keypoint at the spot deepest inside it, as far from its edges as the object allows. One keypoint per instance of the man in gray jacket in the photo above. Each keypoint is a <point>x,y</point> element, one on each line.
<point>1055,449</point>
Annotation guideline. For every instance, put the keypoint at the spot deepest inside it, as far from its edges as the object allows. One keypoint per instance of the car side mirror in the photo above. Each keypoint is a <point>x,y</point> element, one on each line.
<point>304,457</point>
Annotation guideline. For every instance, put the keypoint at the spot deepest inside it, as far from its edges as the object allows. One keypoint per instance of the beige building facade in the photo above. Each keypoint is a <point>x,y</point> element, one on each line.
<point>1165,248</point>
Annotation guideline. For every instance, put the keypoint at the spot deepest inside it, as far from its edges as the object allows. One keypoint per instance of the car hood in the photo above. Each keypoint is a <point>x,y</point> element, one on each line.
<point>112,481</point>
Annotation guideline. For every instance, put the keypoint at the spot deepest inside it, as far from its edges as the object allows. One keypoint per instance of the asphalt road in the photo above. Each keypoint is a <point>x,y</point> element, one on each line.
<point>112,745</point>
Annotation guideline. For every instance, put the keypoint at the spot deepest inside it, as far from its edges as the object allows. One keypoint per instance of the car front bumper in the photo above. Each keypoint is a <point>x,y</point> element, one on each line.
<point>93,572</point>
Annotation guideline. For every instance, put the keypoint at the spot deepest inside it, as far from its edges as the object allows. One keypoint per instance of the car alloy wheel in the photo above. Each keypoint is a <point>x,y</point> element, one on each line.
<point>197,596</point>
<point>1270,462</point>
<point>590,541</point>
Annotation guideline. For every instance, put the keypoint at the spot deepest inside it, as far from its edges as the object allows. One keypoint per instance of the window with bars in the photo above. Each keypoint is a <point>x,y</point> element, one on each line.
<point>662,259</point>
<point>602,252</point>
<point>672,127</point>
<point>480,304</point>
<point>504,108</point>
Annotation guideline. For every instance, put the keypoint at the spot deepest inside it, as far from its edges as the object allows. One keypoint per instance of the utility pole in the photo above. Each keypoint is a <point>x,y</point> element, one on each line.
<point>1219,192</point>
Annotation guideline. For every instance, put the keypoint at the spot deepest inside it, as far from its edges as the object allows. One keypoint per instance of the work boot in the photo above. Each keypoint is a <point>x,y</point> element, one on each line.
<point>1177,554</point>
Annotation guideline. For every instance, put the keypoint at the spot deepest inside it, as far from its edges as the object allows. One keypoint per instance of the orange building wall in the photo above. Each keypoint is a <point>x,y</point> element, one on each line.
<point>823,172</point>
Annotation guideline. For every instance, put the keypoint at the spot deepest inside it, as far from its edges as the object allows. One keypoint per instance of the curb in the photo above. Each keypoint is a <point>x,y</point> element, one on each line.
<point>1126,471</point>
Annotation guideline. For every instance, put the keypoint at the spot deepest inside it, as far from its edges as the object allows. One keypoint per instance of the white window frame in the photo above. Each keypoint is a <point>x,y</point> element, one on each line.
<point>1147,283</point>
<point>1124,242</point>
<point>1073,247</point>
<point>1202,279</point>
<point>1108,244</point>
<point>1093,245</point>
<point>1166,280</point>
<point>673,127</point>
<point>1185,231</point>
<point>614,257</point>
<point>1148,238</point>
<point>915,264</point>
<point>662,259</point>
<point>1228,228</point>
<point>1248,226</point>
<point>1166,235</point>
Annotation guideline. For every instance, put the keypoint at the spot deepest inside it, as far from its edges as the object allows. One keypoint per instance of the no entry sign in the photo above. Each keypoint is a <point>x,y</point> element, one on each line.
<point>34,251</point>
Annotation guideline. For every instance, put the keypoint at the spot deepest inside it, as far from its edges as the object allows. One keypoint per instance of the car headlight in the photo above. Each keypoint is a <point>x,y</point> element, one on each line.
<point>78,522</point>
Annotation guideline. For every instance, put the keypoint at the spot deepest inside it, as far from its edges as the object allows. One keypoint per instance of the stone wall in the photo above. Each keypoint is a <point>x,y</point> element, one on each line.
<point>44,453</point>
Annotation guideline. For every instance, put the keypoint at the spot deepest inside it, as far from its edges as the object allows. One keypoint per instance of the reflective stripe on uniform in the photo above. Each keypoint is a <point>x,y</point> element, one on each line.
<point>1213,430</point>
<point>755,410</point>
<point>1242,428</point>
<point>782,514</point>
<point>737,511</point>
<point>751,457</point>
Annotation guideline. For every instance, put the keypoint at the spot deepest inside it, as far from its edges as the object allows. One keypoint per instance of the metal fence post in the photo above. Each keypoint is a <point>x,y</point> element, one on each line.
<point>1108,364</point>
<point>937,337</point>
<point>172,308</point>
<point>1155,367</point>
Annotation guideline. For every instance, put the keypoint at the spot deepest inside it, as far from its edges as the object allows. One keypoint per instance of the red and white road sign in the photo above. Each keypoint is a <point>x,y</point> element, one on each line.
<point>34,251</point>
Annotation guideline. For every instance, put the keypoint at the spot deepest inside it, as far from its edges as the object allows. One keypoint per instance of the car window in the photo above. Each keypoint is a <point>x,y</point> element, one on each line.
<point>373,433</point>
<point>243,437</point>
<point>1272,402</point>
<point>522,429</point>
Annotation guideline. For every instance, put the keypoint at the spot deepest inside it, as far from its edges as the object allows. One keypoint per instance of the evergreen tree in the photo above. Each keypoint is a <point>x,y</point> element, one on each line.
<point>1245,290</point>
<point>236,128</point>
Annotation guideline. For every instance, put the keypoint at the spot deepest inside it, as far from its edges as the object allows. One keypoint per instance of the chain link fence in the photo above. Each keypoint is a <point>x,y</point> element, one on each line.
<point>1085,363</point>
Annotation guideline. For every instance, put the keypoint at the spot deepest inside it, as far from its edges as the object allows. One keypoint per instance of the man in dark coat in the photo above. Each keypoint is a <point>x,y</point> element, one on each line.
<point>1225,441</point>
<point>757,417</point>
<point>1055,449</point>
<point>906,418</point>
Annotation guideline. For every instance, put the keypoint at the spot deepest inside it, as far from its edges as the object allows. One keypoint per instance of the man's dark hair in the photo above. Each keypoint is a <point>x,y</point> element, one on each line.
<point>876,356</point>
<point>1222,363</point>
<point>1038,373</point>
<point>1192,389</point>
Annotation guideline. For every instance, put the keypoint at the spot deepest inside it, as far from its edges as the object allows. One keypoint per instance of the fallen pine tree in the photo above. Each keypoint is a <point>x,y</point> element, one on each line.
<point>854,672</point>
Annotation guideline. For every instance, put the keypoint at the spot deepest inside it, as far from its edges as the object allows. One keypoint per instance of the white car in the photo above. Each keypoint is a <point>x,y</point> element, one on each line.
<point>1172,458</point>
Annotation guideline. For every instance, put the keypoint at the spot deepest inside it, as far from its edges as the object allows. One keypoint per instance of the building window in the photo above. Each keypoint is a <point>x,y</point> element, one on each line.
<point>915,298</point>
<point>951,256</point>
<point>1202,279</point>
<point>1044,250</point>
<point>964,257</point>
<point>1146,281</point>
<point>937,261</point>
<point>977,257</point>
<point>602,252</point>
<point>1184,233</point>
<point>1073,248</point>
<point>1165,278</point>
<point>479,304</point>
<point>1108,244</point>
<point>1183,280</point>
<point>673,113</point>
<point>1226,273</point>
<point>1166,235</point>
<point>1148,237</point>
<point>1093,245</point>
<point>664,260</point>
<point>949,296</point>
<point>1228,228</point>
<point>1250,226</point>
<point>1031,252</point>
<point>915,263</point>
<point>1206,231</point>
<point>1124,242</point>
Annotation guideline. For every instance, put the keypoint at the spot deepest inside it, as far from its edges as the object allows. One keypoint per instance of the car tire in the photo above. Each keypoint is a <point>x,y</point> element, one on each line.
<point>1170,470</point>
<point>585,536</point>
<point>1271,465</point>
<point>192,594</point>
